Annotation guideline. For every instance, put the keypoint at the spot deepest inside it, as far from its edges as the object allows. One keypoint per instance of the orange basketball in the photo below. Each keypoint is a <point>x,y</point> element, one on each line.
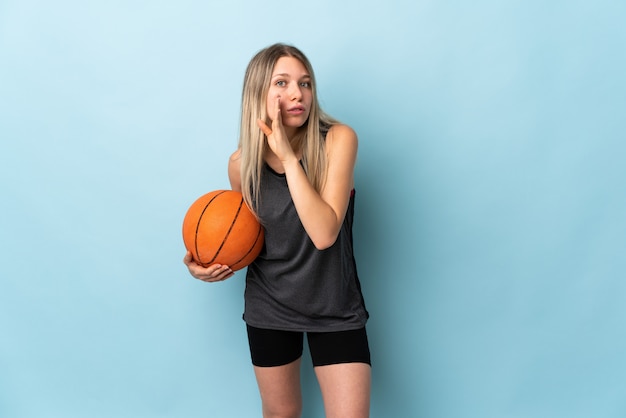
<point>219,228</point>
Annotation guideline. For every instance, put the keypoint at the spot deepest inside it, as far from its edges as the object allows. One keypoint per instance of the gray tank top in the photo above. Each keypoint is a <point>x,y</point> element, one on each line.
<point>294,286</point>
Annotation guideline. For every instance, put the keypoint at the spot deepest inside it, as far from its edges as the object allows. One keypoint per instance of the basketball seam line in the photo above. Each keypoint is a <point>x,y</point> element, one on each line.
<point>230,228</point>
<point>198,226</point>
<point>251,248</point>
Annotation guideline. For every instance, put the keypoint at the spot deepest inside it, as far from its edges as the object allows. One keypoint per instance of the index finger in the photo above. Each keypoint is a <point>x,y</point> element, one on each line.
<point>278,108</point>
<point>278,122</point>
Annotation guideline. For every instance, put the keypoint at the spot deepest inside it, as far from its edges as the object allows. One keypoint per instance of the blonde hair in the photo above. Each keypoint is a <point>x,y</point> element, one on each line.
<point>309,139</point>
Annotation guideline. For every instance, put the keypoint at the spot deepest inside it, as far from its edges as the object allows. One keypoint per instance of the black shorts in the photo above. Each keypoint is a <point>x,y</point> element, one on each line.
<point>270,348</point>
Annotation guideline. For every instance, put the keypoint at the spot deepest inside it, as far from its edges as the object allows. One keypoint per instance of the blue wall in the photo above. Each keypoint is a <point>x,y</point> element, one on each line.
<point>491,204</point>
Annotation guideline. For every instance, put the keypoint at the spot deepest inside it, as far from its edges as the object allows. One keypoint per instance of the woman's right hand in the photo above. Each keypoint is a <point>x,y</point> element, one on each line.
<point>214,273</point>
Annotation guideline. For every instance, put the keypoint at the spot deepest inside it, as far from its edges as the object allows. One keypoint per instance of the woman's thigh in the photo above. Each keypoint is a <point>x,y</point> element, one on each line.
<point>345,389</point>
<point>276,356</point>
<point>342,364</point>
<point>280,391</point>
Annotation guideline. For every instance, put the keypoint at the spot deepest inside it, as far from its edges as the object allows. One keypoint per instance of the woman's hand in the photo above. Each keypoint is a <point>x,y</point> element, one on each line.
<point>276,137</point>
<point>214,273</point>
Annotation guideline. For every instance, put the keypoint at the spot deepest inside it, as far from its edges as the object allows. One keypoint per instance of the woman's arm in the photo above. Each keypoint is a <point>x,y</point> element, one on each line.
<point>322,214</point>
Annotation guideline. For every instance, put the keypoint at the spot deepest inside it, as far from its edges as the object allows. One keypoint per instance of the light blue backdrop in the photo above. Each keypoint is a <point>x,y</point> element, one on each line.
<point>491,205</point>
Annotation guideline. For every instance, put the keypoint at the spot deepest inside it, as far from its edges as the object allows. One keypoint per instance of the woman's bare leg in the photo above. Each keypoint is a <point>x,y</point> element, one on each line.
<point>280,390</point>
<point>345,389</point>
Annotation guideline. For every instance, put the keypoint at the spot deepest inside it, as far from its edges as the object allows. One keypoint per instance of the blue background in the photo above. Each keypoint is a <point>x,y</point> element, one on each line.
<point>491,207</point>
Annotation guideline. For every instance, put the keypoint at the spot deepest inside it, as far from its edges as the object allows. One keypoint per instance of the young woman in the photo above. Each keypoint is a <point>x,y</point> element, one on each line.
<point>295,169</point>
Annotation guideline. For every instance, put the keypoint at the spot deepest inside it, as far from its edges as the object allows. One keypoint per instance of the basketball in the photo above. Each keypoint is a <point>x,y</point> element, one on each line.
<point>219,228</point>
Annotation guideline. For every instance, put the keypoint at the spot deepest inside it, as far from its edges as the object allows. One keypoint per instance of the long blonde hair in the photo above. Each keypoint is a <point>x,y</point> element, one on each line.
<point>309,139</point>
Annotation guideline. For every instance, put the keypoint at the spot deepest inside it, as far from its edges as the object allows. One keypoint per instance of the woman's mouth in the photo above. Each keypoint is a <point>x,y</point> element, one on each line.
<point>296,110</point>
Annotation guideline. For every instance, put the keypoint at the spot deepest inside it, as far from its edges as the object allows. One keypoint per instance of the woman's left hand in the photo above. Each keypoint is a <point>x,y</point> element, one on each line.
<point>276,137</point>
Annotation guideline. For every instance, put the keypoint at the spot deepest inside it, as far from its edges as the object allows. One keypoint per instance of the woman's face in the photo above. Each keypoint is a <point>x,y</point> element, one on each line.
<point>291,86</point>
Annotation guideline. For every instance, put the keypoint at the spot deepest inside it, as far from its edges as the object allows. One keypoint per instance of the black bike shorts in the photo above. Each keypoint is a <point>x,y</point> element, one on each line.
<point>270,348</point>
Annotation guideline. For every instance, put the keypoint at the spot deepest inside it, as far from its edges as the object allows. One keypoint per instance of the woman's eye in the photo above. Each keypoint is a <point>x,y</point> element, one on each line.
<point>281,83</point>
<point>305,84</point>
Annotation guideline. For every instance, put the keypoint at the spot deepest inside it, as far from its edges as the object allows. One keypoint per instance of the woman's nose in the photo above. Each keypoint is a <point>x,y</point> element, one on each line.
<point>294,91</point>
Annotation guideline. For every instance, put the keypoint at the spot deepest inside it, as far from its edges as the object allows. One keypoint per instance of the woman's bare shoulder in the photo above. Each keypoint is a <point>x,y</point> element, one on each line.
<point>235,156</point>
<point>341,129</point>
<point>234,170</point>
<point>342,136</point>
